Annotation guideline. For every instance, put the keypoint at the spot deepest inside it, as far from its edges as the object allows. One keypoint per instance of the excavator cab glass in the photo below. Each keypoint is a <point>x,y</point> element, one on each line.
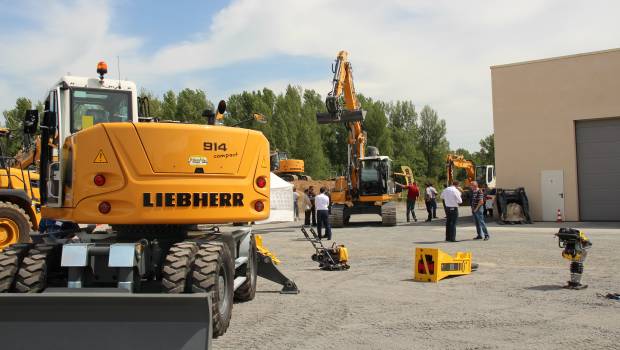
<point>376,177</point>
<point>94,106</point>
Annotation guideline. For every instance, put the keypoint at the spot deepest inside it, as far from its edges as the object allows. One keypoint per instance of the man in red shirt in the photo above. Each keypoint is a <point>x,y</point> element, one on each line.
<point>413,192</point>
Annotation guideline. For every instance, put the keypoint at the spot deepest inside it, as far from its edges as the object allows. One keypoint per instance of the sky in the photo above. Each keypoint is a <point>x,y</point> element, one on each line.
<point>430,52</point>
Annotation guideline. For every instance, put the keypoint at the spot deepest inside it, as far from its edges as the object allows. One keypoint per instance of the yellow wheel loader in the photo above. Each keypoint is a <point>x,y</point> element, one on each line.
<point>19,190</point>
<point>159,278</point>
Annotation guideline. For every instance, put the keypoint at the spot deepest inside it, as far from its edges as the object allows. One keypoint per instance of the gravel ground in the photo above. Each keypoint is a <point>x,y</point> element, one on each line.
<point>513,301</point>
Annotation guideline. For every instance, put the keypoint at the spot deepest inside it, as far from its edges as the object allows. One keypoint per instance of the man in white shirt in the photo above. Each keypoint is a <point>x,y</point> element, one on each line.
<point>431,202</point>
<point>321,203</point>
<point>452,199</point>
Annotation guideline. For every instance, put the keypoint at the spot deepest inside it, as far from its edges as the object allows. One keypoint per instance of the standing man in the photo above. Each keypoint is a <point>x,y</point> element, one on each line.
<point>430,198</point>
<point>311,196</point>
<point>305,203</point>
<point>452,198</point>
<point>322,212</point>
<point>477,210</point>
<point>295,203</point>
<point>413,192</point>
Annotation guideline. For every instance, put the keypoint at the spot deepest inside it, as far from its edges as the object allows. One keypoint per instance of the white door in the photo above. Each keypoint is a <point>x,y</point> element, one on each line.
<point>552,186</point>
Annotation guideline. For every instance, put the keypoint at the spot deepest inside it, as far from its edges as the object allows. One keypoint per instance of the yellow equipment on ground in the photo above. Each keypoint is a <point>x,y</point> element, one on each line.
<point>575,245</point>
<point>433,265</point>
<point>334,258</point>
<point>153,183</point>
<point>19,192</point>
<point>370,188</point>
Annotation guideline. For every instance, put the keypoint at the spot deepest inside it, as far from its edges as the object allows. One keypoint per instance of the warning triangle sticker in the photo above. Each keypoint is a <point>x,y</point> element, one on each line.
<point>100,157</point>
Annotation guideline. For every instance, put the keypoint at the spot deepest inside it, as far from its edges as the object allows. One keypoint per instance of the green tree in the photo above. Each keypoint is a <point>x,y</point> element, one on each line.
<point>376,125</point>
<point>14,122</point>
<point>191,104</point>
<point>169,106</point>
<point>403,123</point>
<point>432,141</point>
<point>487,150</point>
<point>309,141</point>
<point>155,105</point>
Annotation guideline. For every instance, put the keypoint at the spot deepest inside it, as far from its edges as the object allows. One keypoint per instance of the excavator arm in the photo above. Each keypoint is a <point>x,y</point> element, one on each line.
<point>350,114</point>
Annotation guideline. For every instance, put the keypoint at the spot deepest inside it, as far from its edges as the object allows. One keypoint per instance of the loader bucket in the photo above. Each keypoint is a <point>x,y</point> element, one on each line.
<point>103,320</point>
<point>342,117</point>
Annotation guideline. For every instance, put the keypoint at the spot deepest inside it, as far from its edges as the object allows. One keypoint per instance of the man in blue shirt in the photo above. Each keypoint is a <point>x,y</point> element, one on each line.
<point>477,210</point>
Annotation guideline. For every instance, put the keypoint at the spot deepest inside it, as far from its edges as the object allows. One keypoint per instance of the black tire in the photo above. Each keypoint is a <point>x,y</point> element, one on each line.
<point>32,274</point>
<point>388,214</point>
<point>15,223</point>
<point>177,268</point>
<point>336,216</point>
<point>214,271</point>
<point>247,290</point>
<point>9,263</point>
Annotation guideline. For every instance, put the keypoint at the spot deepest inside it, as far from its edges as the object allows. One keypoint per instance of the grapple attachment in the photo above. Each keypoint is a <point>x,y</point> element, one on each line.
<point>343,116</point>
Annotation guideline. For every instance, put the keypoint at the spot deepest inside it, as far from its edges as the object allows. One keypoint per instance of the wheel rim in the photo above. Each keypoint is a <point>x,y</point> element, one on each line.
<point>9,232</point>
<point>222,292</point>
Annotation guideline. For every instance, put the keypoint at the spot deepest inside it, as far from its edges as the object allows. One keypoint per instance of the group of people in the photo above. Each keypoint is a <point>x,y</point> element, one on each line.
<point>451,197</point>
<point>316,209</point>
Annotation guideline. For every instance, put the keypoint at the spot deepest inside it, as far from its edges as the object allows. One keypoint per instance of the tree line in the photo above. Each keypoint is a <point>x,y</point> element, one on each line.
<point>408,137</point>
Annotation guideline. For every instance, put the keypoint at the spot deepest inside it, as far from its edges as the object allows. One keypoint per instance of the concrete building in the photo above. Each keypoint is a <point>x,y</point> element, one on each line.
<point>557,133</point>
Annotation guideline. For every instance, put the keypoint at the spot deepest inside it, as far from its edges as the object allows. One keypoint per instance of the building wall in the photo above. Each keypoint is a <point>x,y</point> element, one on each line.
<point>535,106</point>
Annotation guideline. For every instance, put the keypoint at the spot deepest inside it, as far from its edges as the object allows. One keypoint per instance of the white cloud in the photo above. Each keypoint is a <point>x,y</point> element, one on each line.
<point>435,53</point>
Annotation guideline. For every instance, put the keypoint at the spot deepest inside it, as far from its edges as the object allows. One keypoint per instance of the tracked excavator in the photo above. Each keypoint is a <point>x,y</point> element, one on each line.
<point>288,169</point>
<point>367,186</point>
<point>160,278</point>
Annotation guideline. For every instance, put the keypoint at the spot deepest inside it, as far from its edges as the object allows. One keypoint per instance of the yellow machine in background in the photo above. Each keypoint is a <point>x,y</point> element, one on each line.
<point>433,265</point>
<point>288,169</point>
<point>368,186</point>
<point>19,193</point>
<point>484,175</point>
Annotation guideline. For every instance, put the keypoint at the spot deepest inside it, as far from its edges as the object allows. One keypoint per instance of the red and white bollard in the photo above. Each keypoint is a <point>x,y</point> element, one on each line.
<point>559,218</point>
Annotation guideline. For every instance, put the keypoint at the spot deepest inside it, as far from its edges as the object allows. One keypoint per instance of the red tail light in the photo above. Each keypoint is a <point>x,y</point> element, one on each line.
<point>259,206</point>
<point>99,180</point>
<point>261,182</point>
<point>104,207</point>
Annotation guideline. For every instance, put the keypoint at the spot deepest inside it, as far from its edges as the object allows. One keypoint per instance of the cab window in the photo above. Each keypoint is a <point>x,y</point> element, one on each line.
<point>94,106</point>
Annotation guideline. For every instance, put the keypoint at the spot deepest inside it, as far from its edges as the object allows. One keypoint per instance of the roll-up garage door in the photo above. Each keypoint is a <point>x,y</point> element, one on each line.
<point>598,169</point>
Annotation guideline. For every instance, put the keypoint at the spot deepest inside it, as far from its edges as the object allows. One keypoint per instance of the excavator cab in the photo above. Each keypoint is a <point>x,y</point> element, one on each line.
<point>376,176</point>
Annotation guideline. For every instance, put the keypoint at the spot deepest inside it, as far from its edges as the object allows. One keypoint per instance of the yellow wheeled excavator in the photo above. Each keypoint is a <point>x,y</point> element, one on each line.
<point>160,277</point>
<point>368,185</point>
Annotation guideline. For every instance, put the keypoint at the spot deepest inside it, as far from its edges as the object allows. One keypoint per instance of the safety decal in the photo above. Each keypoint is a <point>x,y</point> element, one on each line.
<point>100,158</point>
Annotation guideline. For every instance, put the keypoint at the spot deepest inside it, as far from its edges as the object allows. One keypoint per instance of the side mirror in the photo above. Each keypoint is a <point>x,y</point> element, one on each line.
<point>30,121</point>
<point>207,113</point>
<point>221,108</point>
<point>49,120</point>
